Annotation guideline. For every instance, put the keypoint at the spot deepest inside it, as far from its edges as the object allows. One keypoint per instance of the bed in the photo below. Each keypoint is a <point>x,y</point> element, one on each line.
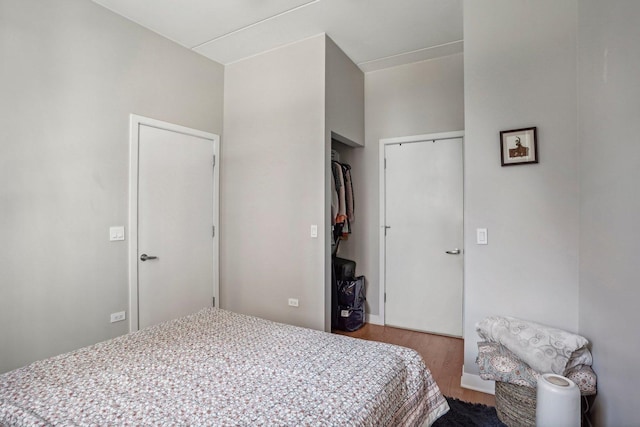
<point>217,367</point>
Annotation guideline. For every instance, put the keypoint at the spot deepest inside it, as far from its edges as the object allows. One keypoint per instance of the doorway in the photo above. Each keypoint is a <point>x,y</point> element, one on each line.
<point>173,239</point>
<point>422,232</point>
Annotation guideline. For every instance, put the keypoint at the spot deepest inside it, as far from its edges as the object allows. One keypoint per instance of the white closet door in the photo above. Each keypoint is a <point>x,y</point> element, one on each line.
<point>175,224</point>
<point>423,244</point>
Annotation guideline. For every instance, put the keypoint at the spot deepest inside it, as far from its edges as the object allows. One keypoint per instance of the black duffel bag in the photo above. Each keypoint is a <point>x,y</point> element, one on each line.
<point>350,307</point>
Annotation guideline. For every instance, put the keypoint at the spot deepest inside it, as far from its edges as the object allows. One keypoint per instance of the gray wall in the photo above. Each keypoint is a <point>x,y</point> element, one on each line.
<point>71,74</point>
<point>344,95</point>
<point>344,115</point>
<point>520,71</point>
<point>273,185</point>
<point>609,129</point>
<point>419,98</point>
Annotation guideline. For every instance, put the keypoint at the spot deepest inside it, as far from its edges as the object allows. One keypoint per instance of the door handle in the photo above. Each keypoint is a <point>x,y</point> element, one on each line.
<point>456,251</point>
<point>145,257</point>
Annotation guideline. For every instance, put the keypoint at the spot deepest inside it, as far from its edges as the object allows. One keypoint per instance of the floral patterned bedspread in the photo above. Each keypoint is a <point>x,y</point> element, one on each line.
<point>220,368</point>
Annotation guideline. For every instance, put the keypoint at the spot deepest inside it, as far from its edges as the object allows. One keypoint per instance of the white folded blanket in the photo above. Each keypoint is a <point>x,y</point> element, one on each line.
<point>543,348</point>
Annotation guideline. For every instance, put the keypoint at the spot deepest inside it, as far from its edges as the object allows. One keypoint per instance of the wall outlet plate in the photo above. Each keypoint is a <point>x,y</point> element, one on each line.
<point>118,317</point>
<point>116,233</point>
<point>293,302</point>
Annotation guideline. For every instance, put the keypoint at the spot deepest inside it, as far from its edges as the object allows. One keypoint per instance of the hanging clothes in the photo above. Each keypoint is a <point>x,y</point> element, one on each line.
<point>342,199</point>
<point>346,170</point>
<point>334,192</point>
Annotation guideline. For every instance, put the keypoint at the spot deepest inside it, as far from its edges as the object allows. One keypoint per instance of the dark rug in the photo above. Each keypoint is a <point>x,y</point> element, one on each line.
<point>464,414</point>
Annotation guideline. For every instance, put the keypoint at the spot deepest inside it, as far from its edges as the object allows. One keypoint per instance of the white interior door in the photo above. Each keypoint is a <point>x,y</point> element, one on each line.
<point>424,236</point>
<point>175,220</point>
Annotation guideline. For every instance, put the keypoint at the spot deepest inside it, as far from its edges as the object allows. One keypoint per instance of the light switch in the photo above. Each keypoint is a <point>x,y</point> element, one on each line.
<point>481,236</point>
<point>314,231</point>
<point>116,233</point>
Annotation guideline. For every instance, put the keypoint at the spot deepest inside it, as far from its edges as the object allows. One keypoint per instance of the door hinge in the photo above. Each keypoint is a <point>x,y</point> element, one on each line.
<point>213,231</point>
<point>214,301</point>
<point>385,297</point>
<point>214,161</point>
<point>385,162</point>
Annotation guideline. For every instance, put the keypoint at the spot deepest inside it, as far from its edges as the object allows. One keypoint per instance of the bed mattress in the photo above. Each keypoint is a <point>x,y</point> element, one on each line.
<point>221,368</point>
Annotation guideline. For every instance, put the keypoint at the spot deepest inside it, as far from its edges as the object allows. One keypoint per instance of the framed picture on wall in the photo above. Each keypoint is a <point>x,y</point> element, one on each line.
<point>518,146</point>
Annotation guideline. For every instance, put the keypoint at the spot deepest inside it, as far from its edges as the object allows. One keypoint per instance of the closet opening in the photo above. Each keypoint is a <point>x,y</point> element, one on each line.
<point>348,281</point>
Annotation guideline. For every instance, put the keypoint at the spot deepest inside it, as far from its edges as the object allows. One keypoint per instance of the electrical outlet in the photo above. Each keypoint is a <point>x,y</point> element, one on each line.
<point>293,302</point>
<point>116,233</point>
<point>119,316</point>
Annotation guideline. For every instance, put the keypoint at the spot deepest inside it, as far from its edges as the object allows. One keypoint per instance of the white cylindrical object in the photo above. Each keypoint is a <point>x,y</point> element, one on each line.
<point>557,402</point>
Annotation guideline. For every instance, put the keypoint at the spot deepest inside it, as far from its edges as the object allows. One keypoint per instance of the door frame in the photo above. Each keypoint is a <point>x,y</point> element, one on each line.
<point>135,122</point>
<point>380,319</point>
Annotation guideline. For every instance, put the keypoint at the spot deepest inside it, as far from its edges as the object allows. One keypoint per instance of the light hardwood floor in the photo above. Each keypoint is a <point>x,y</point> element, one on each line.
<point>443,355</point>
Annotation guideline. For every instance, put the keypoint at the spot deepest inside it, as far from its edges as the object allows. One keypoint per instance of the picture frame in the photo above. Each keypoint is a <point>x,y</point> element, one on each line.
<point>518,146</point>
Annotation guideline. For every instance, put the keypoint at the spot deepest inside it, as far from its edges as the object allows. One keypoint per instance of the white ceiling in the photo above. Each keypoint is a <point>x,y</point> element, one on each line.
<point>375,34</point>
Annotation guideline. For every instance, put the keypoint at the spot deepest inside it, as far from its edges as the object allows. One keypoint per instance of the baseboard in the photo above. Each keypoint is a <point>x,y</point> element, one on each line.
<point>474,382</point>
<point>375,319</point>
